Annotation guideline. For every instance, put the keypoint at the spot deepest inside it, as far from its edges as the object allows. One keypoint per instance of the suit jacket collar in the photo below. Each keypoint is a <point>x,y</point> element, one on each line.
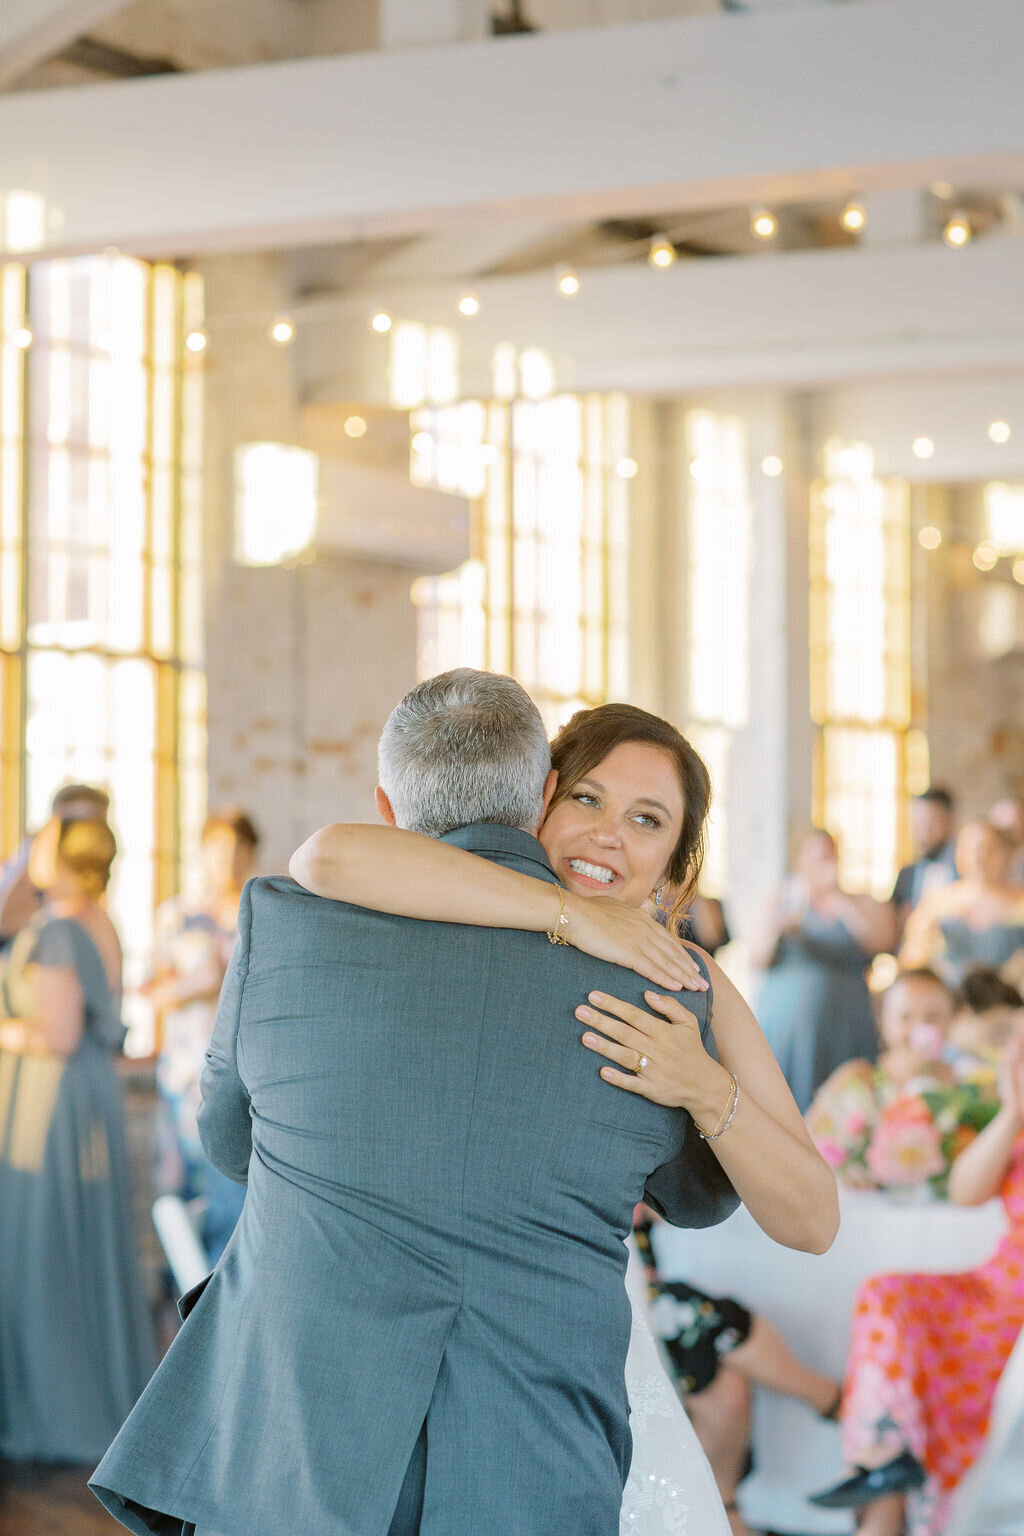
<point>491,840</point>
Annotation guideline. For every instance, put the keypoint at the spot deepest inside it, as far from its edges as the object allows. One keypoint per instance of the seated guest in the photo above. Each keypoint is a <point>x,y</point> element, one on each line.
<point>915,1018</point>
<point>815,942</point>
<point>927,1350</point>
<point>718,1351</point>
<point>194,940</point>
<point>76,1345</point>
<point>987,1015</point>
<point>977,921</point>
<point>932,829</point>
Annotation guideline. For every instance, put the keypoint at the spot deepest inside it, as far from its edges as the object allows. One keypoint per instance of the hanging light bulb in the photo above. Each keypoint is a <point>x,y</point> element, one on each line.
<point>355,426</point>
<point>929,538</point>
<point>662,252</point>
<point>469,305</point>
<point>999,431</point>
<point>853,217</point>
<point>197,341</point>
<point>627,469</point>
<point>922,448</point>
<point>22,338</point>
<point>772,466</point>
<point>381,322</point>
<point>986,556</point>
<point>568,283</point>
<point>764,224</point>
<point>282,330</point>
<point>958,231</point>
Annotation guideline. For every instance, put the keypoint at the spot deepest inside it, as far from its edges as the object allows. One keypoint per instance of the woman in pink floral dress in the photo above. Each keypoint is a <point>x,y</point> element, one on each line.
<point>927,1351</point>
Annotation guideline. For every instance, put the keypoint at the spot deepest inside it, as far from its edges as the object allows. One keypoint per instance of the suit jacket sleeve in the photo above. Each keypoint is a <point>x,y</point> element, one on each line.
<point>225,1127</point>
<point>692,1190</point>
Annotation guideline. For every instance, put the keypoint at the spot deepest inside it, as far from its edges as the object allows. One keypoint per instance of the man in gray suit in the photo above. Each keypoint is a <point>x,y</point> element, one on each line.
<point>420,1325</point>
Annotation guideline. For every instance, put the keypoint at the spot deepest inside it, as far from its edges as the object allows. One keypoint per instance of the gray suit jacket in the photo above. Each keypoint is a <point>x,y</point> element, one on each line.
<point>439,1188</point>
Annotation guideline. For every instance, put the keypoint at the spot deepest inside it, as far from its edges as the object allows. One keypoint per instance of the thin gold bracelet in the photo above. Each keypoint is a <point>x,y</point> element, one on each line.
<point>559,934</point>
<point>728,1114</point>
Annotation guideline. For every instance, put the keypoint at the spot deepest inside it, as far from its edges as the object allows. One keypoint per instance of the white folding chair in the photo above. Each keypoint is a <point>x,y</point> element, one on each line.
<point>990,1500</point>
<point>176,1224</point>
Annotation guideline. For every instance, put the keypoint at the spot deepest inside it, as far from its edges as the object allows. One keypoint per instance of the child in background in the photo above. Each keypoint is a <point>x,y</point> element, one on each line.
<point>988,1011</point>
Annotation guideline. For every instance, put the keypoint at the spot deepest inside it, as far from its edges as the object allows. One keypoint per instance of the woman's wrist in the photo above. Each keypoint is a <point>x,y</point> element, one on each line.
<point>706,1099</point>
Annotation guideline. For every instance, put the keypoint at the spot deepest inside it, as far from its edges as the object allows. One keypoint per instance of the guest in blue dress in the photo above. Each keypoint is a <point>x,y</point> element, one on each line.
<point>76,1344</point>
<point>815,943</point>
<point>977,921</point>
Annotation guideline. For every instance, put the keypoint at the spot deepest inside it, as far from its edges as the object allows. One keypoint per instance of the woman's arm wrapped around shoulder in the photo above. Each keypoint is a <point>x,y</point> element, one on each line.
<point>388,869</point>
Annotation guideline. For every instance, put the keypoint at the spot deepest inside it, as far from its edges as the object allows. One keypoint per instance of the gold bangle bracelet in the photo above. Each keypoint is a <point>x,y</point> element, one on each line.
<point>728,1114</point>
<point>559,934</point>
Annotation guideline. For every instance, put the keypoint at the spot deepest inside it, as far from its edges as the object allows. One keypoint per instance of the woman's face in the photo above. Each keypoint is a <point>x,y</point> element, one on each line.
<point>616,831</point>
<point>982,854</point>
<point>817,861</point>
<point>226,858</point>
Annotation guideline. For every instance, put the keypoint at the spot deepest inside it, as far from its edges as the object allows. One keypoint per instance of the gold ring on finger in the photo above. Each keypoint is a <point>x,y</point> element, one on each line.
<point>641,1063</point>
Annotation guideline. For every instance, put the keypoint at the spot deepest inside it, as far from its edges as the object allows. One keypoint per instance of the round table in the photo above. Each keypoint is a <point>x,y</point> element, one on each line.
<point>809,1298</point>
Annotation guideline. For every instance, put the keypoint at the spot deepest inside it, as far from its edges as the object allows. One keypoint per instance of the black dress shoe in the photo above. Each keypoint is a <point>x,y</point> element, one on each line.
<point>866,1485</point>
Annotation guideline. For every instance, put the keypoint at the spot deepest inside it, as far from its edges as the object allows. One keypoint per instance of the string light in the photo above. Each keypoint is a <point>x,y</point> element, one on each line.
<point>929,538</point>
<point>22,338</point>
<point>1018,571</point>
<point>627,469</point>
<point>355,426</point>
<point>469,305</point>
<point>853,217</point>
<point>197,341</point>
<point>568,283</point>
<point>986,557</point>
<point>772,466</point>
<point>942,190</point>
<point>381,322</point>
<point>422,442</point>
<point>282,331</point>
<point>764,224</point>
<point>662,252</point>
<point>958,231</point>
<point>999,431</point>
<point>922,447</point>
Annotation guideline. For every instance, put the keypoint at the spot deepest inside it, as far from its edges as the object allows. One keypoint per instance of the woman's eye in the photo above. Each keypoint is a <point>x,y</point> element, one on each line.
<point>584,798</point>
<point>647,820</point>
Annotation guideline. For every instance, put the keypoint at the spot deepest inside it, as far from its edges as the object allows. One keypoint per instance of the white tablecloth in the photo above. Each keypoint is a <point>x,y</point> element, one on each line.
<point>810,1299</point>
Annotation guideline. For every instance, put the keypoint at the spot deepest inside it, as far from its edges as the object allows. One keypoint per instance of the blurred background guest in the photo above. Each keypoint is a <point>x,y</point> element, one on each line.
<point>916,1016</point>
<point>927,1350</point>
<point>194,940</point>
<point>76,1344</point>
<point>988,1013</point>
<point>933,831</point>
<point>815,942</point>
<point>1008,815</point>
<point>19,899</point>
<point>706,924</point>
<point>979,920</point>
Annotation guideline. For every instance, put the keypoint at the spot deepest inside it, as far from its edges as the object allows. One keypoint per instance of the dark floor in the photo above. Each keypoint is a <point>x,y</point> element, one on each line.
<point>40,1500</point>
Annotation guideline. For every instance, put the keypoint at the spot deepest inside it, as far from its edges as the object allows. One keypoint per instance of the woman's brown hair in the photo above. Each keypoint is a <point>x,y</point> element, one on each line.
<point>587,739</point>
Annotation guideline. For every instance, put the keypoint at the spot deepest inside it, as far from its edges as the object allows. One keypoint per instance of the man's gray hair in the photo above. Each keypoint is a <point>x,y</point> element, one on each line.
<point>465,747</point>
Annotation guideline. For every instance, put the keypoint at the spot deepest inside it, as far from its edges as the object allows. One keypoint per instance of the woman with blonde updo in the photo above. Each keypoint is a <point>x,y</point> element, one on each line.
<point>76,1343</point>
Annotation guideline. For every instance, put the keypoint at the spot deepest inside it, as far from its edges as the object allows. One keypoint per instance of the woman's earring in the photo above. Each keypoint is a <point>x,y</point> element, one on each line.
<point>657,895</point>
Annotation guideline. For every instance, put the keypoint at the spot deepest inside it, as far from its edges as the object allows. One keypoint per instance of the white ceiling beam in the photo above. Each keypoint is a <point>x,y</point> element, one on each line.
<point>796,319</point>
<point>32,31</point>
<point>697,112</point>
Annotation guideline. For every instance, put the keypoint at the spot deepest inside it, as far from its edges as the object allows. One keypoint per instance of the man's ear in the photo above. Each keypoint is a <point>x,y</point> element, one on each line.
<point>550,785</point>
<point>384,810</point>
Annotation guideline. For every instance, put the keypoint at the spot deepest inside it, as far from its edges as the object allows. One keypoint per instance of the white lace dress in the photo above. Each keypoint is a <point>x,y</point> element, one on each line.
<point>671,1488</point>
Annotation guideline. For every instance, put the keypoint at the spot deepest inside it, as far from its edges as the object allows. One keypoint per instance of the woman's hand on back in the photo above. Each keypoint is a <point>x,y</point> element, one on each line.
<point>627,936</point>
